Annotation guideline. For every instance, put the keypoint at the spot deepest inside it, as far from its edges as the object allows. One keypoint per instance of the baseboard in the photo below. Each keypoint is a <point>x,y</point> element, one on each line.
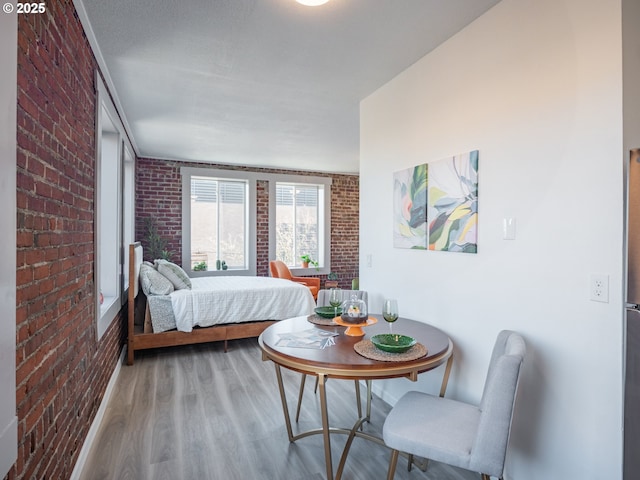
<point>95,425</point>
<point>384,394</point>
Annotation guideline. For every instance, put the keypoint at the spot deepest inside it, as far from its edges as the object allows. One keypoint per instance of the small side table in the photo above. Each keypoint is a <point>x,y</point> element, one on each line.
<point>329,284</point>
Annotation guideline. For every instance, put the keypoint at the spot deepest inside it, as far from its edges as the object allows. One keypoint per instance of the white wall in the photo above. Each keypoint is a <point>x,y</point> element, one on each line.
<point>8,83</point>
<point>536,87</point>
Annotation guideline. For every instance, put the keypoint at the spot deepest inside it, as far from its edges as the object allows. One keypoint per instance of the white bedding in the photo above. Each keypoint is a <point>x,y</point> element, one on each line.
<point>230,299</point>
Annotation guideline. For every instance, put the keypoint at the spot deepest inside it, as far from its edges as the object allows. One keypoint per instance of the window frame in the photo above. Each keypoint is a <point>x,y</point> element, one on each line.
<point>105,315</point>
<point>324,235</point>
<point>128,212</point>
<point>252,178</point>
<point>250,222</point>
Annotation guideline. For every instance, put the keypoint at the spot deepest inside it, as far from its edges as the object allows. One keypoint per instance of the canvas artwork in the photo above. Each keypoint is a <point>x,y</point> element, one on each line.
<point>410,207</point>
<point>453,204</point>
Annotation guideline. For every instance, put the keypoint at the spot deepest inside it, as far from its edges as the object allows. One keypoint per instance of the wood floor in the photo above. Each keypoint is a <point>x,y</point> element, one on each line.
<point>195,412</point>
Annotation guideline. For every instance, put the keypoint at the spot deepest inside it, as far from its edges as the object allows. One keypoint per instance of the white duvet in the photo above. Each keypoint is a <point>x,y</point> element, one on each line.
<point>219,300</point>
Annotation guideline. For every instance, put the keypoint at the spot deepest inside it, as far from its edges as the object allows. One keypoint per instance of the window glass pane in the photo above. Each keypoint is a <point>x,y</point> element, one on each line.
<point>232,210</point>
<point>109,283</point>
<point>285,231</point>
<point>218,223</point>
<point>298,213</point>
<point>128,199</point>
<point>307,221</point>
<point>204,221</point>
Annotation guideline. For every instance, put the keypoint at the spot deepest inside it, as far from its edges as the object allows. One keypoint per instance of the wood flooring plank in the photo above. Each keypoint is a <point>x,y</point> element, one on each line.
<point>196,412</point>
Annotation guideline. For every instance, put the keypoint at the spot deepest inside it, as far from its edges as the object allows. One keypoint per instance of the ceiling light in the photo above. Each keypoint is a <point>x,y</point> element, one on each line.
<point>312,3</point>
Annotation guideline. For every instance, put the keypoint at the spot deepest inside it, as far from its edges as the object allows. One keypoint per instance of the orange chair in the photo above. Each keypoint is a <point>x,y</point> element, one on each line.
<point>280,270</point>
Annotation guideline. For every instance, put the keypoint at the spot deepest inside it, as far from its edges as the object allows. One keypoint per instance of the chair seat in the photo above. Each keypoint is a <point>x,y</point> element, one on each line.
<point>452,428</point>
<point>460,434</point>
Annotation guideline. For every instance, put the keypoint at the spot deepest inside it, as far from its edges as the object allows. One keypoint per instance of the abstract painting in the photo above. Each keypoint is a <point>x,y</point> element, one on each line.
<point>453,204</point>
<point>410,208</point>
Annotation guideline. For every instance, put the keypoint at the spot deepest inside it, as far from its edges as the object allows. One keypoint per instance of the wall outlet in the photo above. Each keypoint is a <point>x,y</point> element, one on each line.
<point>599,288</point>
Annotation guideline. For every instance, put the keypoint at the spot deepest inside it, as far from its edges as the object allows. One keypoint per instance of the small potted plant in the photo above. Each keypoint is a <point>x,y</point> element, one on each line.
<point>332,281</point>
<point>200,267</point>
<point>307,260</point>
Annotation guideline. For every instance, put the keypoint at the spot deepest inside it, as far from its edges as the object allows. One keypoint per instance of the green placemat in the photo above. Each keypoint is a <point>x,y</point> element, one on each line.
<point>369,350</point>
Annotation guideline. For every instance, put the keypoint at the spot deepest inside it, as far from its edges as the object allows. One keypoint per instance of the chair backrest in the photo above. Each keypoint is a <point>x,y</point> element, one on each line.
<point>279,269</point>
<point>490,445</point>
<point>323,296</point>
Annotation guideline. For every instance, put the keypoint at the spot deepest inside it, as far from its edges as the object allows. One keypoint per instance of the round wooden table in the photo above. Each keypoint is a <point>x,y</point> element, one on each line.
<point>342,361</point>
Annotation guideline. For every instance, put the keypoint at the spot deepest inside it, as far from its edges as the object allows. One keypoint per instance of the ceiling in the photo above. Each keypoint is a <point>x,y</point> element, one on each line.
<point>267,83</point>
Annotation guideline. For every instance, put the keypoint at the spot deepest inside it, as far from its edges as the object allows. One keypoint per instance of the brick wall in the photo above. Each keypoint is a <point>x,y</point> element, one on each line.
<point>345,233</point>
<point>159,195</point>
<point>262,232</point>
<point>61,370</point>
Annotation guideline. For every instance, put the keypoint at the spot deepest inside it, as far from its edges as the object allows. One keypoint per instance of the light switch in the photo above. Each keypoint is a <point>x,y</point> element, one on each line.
<point>509,228</point>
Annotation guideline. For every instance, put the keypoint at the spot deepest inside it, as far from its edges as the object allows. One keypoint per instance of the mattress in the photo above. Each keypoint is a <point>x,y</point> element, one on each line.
<point>229,299</point>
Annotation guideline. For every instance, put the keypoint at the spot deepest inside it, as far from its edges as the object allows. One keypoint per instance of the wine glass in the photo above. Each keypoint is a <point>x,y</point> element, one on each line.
<point>390,312</point>
<point>335,299</point>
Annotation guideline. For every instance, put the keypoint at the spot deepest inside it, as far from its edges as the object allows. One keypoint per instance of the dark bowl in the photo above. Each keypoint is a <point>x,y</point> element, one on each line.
<point>392,343</point>
<point>327,312</point>
<point>353,320</point>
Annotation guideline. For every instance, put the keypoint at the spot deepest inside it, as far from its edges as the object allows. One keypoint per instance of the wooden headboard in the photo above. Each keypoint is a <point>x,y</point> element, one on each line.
<point>135,260</point>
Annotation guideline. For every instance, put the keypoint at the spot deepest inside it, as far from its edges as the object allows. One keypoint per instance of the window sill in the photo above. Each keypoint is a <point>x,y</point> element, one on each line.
<point>309,272</point>
<point>108,312</point>
<point>221,273</point>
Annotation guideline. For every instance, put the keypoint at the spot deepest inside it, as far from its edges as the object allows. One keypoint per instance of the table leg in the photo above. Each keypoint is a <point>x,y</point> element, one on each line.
<point>358,403</point>
<point>325,425</point>
<point>283,398</point>
<point>369,400</point>
<point>445,378</point>
<point>300,394</point>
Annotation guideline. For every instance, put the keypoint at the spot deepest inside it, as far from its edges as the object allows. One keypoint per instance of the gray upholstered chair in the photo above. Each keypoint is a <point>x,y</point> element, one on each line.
<point>456,433</point>
<point>323,301</point>
<point>323,296</point>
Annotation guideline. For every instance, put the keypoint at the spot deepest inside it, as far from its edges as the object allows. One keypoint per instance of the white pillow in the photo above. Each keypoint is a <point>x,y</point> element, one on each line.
<point>153,282</point>
<point>174,273</point>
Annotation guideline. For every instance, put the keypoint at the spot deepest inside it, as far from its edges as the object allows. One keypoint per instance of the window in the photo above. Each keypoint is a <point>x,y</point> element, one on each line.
<point>219,218</point>
<point>128,210</point>
<point>115,168</point>
<point>108,213</point>
<point>301,220</point>
<point>218,222</point>
<point>298,226</point>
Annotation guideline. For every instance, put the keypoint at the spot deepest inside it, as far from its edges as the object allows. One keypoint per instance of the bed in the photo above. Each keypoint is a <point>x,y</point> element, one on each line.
<point>211,309</point>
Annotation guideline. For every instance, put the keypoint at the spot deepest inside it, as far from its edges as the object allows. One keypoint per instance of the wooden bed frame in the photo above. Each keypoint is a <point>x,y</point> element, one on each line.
<point>142,337</point>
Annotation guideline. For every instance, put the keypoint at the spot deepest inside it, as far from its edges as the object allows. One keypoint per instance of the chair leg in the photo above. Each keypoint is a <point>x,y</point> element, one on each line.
<point>392,464</point>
